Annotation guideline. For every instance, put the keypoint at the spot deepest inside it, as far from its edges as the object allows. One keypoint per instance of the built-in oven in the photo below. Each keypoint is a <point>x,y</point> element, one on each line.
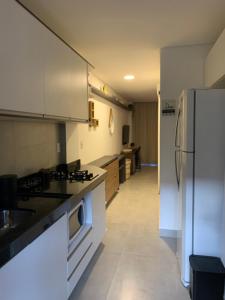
<point>76,221</point>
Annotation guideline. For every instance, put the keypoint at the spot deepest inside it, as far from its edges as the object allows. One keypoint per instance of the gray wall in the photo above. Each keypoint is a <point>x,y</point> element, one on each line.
<point>27,146</point>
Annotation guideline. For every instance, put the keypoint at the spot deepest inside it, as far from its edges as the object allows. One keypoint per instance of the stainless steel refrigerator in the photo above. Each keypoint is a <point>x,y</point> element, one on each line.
<point>200,165</point>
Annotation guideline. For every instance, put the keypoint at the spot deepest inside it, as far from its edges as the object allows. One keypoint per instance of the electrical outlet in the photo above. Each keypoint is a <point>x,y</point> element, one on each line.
<point>81,145</point>
<point>58,147</point>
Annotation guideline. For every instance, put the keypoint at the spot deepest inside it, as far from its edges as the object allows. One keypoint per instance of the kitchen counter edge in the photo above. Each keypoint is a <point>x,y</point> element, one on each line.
<point>29,231</point>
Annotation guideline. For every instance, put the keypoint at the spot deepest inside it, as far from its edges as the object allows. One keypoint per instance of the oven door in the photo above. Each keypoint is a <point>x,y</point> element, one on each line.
<point>76,221</point>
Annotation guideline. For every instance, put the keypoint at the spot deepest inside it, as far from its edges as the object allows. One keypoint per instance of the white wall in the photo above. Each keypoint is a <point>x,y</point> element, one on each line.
<point>215,62</point>
<point>88,143</point>
<point>180,67</point>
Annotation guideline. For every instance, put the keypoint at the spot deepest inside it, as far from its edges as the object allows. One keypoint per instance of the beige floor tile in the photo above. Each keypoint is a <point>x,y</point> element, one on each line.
<point>96,280</point>
<point>134,263</point>
<point>116,237</point>
<point>140,278</point>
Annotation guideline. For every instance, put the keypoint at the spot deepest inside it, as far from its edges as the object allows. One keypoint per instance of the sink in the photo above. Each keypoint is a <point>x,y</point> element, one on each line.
<point>12,218</point>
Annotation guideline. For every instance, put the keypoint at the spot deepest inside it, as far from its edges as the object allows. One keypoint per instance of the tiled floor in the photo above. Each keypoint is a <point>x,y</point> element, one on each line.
<point>133,263</point>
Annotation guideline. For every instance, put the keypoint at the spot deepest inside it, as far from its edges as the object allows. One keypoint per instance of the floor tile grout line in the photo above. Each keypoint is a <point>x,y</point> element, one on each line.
<point>114,276</point>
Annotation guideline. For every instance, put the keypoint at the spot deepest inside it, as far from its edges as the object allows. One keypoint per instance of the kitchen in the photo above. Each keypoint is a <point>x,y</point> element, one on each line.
<point>32,139</point>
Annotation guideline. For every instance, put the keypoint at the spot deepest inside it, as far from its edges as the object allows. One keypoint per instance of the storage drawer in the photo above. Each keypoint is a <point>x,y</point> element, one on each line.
<point>78,252</point>
<point>75,276</point>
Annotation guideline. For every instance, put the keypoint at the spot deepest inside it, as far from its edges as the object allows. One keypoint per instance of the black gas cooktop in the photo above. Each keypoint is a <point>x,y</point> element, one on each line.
<point>61,180</point>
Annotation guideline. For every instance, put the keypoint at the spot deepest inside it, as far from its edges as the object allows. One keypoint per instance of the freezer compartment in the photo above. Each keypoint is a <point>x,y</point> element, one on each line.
<point>184,136</point>
<point>209,171</point>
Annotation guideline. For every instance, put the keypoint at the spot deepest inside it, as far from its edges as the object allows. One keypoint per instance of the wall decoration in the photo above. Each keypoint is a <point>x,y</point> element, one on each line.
<point>92,121</point>
<point>111,121</point>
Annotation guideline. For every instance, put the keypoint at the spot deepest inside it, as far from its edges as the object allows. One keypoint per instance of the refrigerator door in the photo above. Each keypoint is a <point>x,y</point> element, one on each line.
<point>209,171</point>
<point>185,215</point>
<point>185,127</point>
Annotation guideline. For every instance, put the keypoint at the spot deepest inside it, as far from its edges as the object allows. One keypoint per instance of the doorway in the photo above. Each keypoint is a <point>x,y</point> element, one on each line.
<point>145,131</point>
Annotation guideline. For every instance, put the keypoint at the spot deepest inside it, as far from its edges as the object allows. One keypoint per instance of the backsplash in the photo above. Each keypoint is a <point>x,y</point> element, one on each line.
<point>27,146</point>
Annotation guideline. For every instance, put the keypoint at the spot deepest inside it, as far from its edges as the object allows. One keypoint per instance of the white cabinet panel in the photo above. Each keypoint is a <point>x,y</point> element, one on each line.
<point>21,60</point>
<point>57,77</point>
<point>79,260</point>
<point>38,271</point>
<point>75,276</point>
<point>65,81</point>
<point>79,88</point>
<point>76,257</point>
<point>99,214</point>
<point>38,72</point>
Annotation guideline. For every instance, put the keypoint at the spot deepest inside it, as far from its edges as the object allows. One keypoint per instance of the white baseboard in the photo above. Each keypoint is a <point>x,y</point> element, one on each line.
<point>168,233</point>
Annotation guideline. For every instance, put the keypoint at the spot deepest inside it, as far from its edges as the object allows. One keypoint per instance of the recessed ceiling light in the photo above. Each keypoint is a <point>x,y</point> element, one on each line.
<point>129,77</point>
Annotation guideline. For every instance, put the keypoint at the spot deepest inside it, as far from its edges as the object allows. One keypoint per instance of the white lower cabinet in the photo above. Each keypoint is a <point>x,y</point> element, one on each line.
<point>39,271</point>
<point>82,262</point>
<point>43,270</point>
<point>83,253</point>
<point>98,214</point>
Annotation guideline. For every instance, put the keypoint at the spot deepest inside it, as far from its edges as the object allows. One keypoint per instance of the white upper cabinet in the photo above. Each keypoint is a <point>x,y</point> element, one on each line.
<point>57,77</point>
<point>21,60</point>
<point>79,88</point>
<point>65,81</point>
<point>38,72</point>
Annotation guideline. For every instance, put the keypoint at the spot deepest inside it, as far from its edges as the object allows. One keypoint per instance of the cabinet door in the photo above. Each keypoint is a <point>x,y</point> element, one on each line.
<point>112,179</point>
<point>21,60</point>
<point>109,184</point>
<point>65,81</point>
<point>39,271</point>
<point>57,77</point>
<point>99,214</point>
<point>79,88</point>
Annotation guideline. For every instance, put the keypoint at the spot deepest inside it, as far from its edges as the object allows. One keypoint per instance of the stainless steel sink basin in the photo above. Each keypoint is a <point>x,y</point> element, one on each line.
<point>11,218</point>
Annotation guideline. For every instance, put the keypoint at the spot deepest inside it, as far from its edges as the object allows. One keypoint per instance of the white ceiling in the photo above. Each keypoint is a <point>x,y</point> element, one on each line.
<point>125,36</point>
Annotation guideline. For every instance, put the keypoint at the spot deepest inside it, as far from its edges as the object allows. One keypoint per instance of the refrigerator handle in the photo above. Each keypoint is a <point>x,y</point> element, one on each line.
<point>176,169</point>
<point>176,134</point>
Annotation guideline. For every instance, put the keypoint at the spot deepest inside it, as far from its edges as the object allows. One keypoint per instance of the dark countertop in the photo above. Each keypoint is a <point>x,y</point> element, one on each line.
<point>104,161</point>
<point>47,211</point>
